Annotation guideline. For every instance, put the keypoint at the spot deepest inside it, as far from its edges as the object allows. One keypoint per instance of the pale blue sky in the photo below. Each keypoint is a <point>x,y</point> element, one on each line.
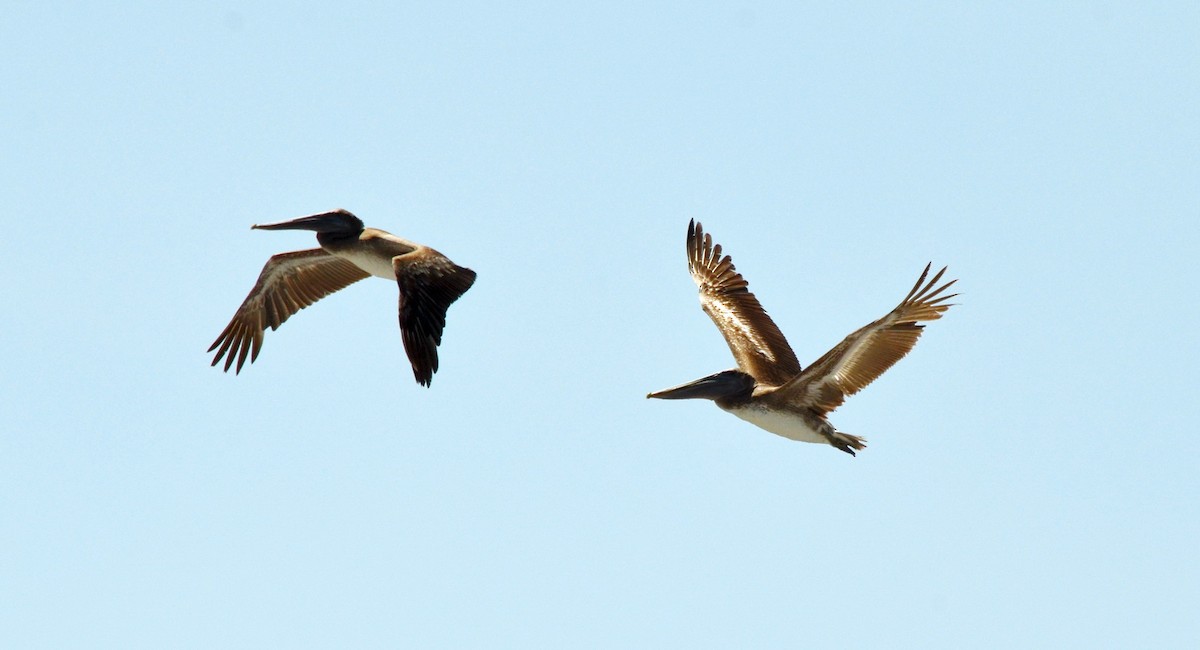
<point>1032,476</point>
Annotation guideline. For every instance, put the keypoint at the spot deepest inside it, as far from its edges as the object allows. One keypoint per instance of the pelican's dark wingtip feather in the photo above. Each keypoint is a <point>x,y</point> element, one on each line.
<point>917,286</point>
<point>924,301</point>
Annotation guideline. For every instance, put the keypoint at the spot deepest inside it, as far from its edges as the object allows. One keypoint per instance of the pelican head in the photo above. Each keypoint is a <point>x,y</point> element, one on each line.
<point>337,221</point>
<point>718,386</point>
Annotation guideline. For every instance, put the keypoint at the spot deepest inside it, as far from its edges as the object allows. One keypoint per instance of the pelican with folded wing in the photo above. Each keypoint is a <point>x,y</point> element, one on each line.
<point>768,388</point>
<point>429,282</point>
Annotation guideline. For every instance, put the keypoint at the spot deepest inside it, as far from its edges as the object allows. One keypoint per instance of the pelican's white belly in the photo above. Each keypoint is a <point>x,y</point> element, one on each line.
<point>780,423</point>
<point>376,265</point>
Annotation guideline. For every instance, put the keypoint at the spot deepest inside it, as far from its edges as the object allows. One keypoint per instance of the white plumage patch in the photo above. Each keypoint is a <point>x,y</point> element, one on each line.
<point>780,423</point>
<point>371,263</point>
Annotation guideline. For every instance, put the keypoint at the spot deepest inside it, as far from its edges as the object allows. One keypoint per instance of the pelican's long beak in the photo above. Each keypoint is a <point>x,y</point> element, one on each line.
<point>319,222</point>
<point>721,384</point>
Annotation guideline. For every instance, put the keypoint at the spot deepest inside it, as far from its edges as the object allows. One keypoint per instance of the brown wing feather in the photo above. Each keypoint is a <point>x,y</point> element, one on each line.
<point>756,342</point>
<point>867,353</point>
<point>429,283</point>
<point>288,283</point>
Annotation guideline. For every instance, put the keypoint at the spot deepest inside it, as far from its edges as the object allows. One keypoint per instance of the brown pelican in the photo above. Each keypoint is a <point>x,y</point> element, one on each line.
<point>768,388</point>
<point>429,283</point>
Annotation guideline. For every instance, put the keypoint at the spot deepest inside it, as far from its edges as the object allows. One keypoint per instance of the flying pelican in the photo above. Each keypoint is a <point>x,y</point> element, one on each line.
<point>429,283</point>
<point>768,388</point>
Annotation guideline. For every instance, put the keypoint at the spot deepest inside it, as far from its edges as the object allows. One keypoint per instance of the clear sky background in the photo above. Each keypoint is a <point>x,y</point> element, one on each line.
<point>1031,479</point>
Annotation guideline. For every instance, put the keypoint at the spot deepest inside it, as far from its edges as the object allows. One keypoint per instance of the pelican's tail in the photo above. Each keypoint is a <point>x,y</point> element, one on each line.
<point>847,442</point>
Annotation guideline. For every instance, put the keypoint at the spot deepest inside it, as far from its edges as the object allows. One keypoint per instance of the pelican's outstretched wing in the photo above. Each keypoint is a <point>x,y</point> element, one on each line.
<point>429,283</point>
<point>864,355</point>
<point>288,283</point>
<point>757,344</point>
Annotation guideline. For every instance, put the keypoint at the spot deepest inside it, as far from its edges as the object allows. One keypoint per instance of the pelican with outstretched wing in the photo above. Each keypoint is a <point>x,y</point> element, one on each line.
<point>429,282</point>
<point>768,388</point>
